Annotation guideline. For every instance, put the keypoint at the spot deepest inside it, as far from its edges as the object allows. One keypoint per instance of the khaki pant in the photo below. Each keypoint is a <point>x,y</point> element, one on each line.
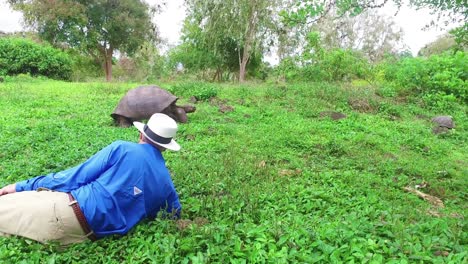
<point>42,216</point>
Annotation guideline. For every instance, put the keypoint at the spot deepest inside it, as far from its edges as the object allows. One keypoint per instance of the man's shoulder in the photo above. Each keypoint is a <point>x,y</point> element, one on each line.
<point>121,145</point>
<point>121,148</point>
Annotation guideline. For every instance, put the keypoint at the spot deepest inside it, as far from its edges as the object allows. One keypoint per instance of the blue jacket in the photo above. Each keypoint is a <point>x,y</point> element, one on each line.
<point>116,188</point>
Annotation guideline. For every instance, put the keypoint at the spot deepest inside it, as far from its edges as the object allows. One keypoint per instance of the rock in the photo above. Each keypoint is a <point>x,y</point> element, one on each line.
<point>193,99</point>
<point>361,105</point>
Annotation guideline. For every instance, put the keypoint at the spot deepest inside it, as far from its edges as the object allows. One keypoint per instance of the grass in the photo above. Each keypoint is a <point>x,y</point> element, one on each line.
<point>269,180</point>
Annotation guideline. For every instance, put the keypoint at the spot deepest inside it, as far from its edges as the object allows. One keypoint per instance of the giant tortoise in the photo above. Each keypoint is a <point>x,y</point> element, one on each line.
<point>443,124</point>
<point>142,102</point>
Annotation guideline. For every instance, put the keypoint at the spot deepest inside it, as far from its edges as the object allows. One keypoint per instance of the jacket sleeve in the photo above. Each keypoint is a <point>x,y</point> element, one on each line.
<point>73,178</point>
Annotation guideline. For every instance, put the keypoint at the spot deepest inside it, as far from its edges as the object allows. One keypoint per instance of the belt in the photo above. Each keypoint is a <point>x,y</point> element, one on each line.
<point>81,218</point>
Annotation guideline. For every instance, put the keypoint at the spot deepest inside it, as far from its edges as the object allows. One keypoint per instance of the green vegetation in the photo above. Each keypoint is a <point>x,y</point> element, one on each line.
<point>271,178</point>
<point>304,162</point>
<point>96,28</point>
<point>448,12</point>
<point>445,74</point>
<point>327,65</point>
<point>25,56</point>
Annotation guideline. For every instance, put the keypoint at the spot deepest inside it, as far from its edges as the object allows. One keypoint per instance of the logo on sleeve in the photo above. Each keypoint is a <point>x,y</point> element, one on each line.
<point>136,191</point>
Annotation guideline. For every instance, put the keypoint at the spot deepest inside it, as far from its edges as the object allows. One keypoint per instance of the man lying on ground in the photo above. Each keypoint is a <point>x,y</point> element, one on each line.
<point>108,194</point>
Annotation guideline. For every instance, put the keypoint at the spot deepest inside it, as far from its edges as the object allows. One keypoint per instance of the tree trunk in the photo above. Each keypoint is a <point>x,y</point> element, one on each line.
<point>106,55</point>
<point>243,66</point>
<point>108,69</point>
<point>217,74</point>
<point>108,64</point>
<point>249,38</point>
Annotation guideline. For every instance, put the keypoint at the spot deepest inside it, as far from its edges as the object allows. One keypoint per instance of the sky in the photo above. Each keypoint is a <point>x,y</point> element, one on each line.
<point>170,23</point>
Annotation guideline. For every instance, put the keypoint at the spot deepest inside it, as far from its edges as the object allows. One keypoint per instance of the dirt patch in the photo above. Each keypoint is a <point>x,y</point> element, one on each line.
<point>225,108</point>
<point>222,105</point>
<point>200,221</point>
<point>390,156</point>
<point>394,118</point>
<point>215,101</point>
<point>222,194</point>
<point>361,105</point>
<point>435,201</point>
<point>456,215</point>
<point>332,115</point>
<point>289,173</point>
<point>183,224</point>
<point>190,137</point>
<point>193,100</point>
<point>261,164</point>
<point>442,253</point>
<point>422,117</point>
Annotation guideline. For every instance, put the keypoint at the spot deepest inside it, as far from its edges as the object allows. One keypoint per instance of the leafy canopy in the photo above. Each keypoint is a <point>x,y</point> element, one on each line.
<point>98,27</point>
<point>230,29</point>
<point>448,11</point>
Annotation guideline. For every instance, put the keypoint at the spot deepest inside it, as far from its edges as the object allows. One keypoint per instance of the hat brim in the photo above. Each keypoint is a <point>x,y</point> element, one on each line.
<point>171,145</point>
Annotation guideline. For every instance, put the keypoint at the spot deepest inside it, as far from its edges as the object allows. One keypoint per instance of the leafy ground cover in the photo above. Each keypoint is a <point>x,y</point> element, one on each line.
<point>264,174</point>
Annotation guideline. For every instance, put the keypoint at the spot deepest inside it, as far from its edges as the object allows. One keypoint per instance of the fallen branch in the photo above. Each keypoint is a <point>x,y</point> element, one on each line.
<point>437,202</point>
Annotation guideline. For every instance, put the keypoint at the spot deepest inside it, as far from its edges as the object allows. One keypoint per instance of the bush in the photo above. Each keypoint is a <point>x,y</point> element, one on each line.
<point>338,65</point>
<point>437,75</point>
<point>331,65</point>
<point>84,67</point>
<point>287,69</point>
<point>25,56</point>
<point>200,90</point>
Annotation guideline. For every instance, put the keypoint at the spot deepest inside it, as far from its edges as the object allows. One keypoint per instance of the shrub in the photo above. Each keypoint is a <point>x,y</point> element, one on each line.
<point>25,56</point>
<point>327,65</point>
<point>201,91</point>
<point>338,65</point>
<point>288,69</point>
<point>437,75</point>
<point>84,67</point>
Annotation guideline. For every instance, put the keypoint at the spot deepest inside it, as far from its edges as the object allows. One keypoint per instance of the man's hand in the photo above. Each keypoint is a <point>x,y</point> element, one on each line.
<point>11,188</point>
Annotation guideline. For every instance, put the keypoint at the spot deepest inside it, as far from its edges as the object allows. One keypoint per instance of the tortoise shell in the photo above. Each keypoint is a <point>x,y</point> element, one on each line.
<point>444,121</point>
<point>142,102</point>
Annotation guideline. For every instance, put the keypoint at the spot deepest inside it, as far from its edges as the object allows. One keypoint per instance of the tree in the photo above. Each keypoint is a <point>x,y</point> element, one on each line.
<point>369,32</point>
<point>442,44</point>
<point>448,11</point>
<point>197,54</point>
<point>242,22</point>
<point>97,27</point>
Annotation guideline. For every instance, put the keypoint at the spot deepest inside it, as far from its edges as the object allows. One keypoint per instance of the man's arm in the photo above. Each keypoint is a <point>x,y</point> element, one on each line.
<point>70,179</point>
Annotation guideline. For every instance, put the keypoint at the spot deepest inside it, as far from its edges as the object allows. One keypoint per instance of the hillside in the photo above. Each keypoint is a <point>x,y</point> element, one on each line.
<point>281,173</point>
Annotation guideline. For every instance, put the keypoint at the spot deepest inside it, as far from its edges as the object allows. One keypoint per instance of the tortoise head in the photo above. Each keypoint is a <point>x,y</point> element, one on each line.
<point>121,121</point>
<point>180,115</point>
<point>176,112</point>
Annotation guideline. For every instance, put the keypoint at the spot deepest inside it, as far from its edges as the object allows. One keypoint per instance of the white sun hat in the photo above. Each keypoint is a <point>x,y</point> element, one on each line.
<point>160,130</point>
